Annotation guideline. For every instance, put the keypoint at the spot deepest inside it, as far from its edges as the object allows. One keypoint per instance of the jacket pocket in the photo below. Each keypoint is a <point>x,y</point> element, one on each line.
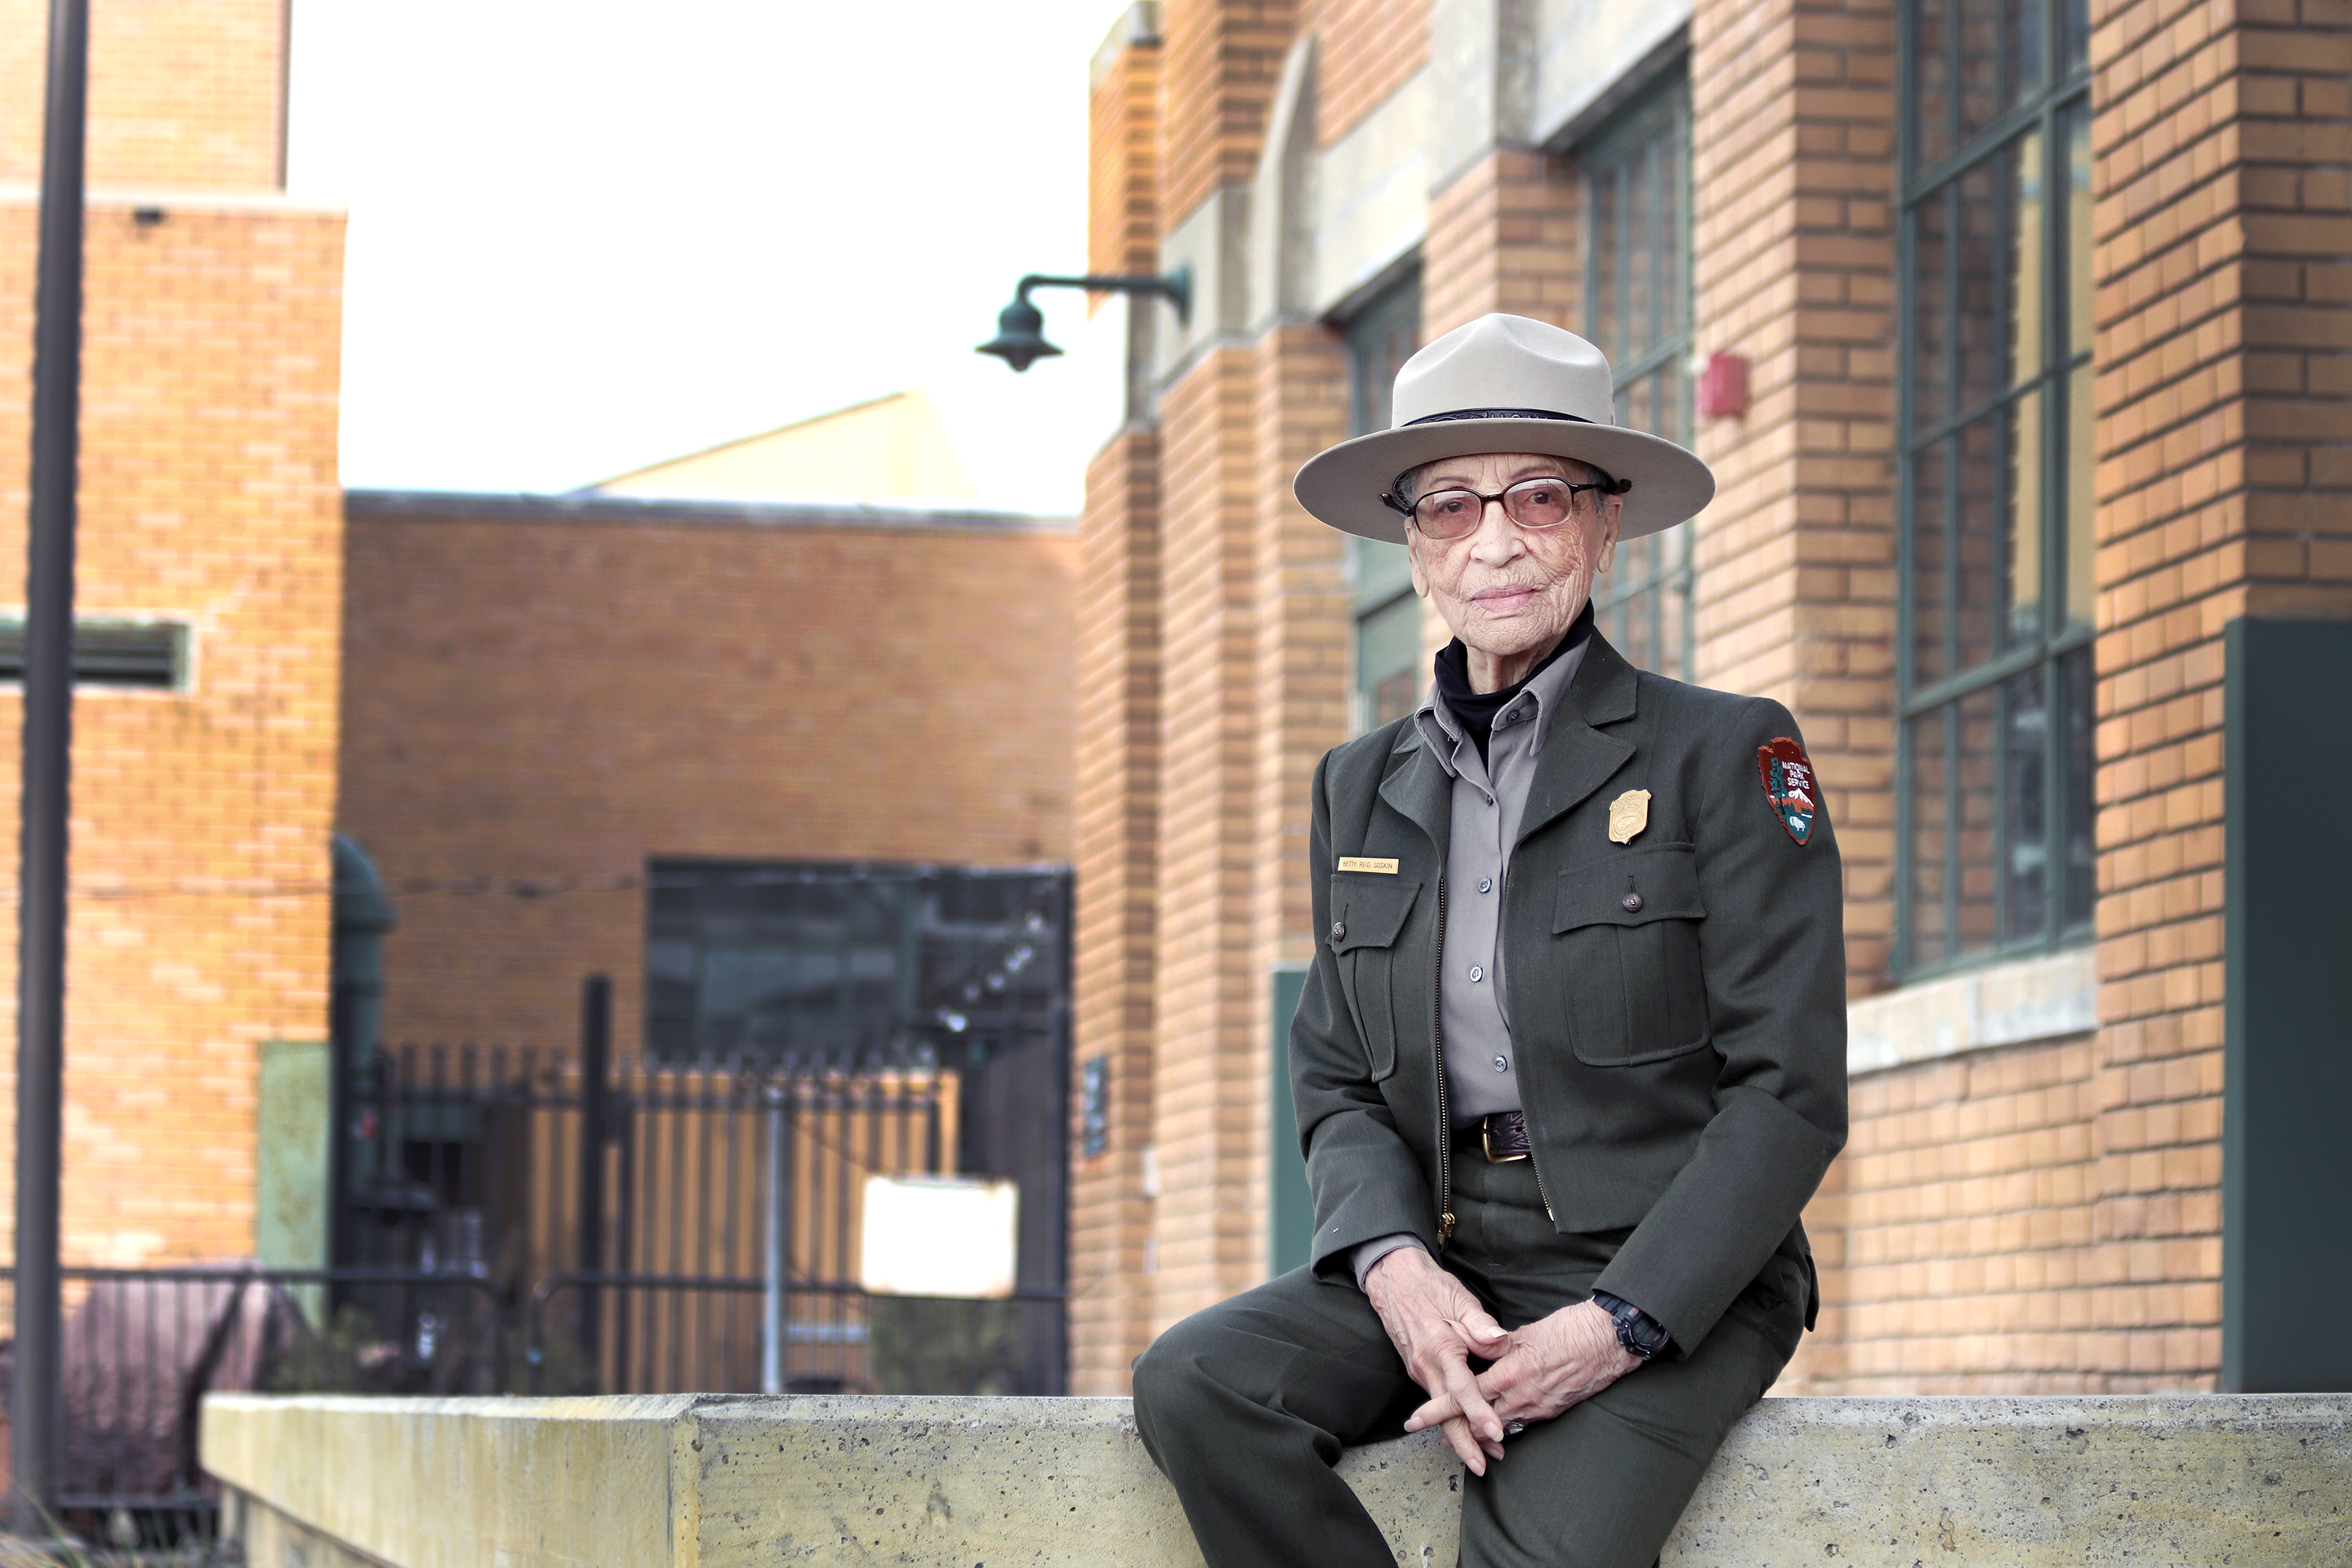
<point>1368,914</point>
<point>1631,925</point>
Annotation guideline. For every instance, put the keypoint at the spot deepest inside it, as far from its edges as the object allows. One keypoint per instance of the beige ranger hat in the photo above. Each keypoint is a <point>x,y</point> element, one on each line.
<point>1504,384</point>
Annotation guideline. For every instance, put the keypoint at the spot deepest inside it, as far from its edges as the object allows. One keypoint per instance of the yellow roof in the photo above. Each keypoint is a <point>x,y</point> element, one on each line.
<point>889,449</point>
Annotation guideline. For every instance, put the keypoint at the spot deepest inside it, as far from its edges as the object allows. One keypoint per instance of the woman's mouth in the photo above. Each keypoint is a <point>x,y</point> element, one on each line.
<point>1503,599</point>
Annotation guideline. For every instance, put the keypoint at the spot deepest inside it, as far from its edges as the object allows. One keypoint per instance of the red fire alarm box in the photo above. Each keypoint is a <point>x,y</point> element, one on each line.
<point>1723,387</point>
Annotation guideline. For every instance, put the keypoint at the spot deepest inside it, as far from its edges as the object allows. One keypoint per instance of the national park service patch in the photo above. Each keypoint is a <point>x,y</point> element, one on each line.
<point>1788,784</point>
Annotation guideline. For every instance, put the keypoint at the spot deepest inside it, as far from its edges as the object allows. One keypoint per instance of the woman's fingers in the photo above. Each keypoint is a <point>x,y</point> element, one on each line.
<point>1480,1330</point>
<point>1457,1432</point>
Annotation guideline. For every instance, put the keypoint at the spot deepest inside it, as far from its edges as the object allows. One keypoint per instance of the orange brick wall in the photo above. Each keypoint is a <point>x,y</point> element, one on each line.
<point>182,95</point>
<point>1118,827</point>
<point>2223,339</point>
<point>534,708</point>
<point>1220,60</point>
<point>1367,49</point>
<point>198,923</point>
<point>1123,167</point>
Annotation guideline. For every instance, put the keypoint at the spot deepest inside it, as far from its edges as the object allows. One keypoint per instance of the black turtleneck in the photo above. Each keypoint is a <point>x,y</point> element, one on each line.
<point>1475,710</point>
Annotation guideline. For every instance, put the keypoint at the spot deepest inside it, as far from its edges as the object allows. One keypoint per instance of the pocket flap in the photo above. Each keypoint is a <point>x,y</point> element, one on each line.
<point>1660,881</point>
<point>1367,909</point>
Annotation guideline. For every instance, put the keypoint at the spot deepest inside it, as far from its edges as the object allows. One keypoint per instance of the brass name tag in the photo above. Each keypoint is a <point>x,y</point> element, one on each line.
<point>1628,814</point>
<point>1364,863</point>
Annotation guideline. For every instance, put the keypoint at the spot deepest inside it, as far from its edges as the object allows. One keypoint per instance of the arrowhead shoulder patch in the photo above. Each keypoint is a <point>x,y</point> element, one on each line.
<point>1788,777</point>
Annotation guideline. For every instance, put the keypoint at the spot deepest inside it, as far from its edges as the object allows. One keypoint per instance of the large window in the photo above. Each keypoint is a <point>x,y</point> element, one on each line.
<point>1994,652</point>
<point>1391,674</point>
<point>1637,309</point>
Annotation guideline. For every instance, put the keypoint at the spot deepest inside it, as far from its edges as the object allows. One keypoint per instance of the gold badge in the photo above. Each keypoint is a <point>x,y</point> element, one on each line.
<point>1628,814</point>
<point>1362,863</point>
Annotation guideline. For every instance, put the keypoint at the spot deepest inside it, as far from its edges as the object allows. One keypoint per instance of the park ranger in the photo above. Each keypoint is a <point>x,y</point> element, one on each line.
<point>1571,1056</point>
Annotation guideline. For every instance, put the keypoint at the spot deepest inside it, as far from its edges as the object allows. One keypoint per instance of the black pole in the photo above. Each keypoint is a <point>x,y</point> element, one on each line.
<point>595,1075</point>
<point>37,1395</point>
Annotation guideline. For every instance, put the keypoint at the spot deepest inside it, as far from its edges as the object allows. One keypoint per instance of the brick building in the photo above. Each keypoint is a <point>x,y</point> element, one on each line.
<point>209,593</point>
<point>2042,317</point>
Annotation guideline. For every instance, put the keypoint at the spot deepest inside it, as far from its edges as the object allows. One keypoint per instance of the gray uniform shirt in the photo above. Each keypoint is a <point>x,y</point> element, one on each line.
<point>1490,797</point>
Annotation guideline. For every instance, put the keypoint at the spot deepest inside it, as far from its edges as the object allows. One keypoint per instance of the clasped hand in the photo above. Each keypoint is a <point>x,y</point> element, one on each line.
<point>1538,1371</point>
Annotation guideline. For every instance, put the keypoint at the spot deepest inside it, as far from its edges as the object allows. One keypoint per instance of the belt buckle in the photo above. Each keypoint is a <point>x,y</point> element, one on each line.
<point>1487,1142</point>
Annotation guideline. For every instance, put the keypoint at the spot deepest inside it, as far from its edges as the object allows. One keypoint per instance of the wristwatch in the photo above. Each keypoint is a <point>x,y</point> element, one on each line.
<point>1640,1333</point>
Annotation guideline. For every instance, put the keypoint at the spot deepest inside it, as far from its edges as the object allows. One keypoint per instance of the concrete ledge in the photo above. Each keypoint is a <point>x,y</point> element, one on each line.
<point>722,1480</point>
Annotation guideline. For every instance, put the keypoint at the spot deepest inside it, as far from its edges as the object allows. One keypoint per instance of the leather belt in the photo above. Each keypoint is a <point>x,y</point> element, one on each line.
<point>1503,1137</point>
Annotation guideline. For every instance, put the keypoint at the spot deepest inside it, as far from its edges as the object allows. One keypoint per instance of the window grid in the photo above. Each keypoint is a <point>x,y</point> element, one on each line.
<point>1993,652</point>
<point>1389,674</point>
<point>1637,310</point>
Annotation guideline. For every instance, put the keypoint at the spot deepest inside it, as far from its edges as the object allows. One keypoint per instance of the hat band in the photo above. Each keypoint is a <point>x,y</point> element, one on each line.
<point>1493,413</point>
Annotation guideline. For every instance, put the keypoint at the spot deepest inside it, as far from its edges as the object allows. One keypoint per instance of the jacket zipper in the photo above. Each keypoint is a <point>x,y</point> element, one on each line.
<point>1444,1127</point>
<point>1532,1163</point>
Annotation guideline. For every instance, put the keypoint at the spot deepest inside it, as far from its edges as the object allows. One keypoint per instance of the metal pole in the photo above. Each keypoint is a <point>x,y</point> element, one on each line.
<point>595,1072</point>
<point>37,1397</point>
<point>772,1336</point>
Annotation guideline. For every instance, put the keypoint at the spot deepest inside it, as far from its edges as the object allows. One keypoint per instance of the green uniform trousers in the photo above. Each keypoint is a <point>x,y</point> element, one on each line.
<point>1247,1407</point>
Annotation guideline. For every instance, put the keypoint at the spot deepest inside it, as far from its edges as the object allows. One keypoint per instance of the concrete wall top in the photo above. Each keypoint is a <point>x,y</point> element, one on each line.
<point>717,1479</point>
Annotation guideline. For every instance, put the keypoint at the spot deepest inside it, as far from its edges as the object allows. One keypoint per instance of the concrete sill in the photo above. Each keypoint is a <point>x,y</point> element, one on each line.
<point>723,1479</point>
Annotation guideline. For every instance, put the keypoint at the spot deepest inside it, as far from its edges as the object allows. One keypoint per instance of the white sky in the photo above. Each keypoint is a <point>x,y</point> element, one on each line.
<point>588,235</point>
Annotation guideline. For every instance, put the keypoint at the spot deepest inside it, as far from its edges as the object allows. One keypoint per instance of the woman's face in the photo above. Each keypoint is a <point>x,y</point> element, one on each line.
<point>1507,591</point>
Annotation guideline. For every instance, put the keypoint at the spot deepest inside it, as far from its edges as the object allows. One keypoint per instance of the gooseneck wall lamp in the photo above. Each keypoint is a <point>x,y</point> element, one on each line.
<point>1020,340</point>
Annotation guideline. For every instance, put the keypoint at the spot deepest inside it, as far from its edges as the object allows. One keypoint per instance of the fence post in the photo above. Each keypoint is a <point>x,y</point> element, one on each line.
<point>596,1073</point>
<point>775,1316</point>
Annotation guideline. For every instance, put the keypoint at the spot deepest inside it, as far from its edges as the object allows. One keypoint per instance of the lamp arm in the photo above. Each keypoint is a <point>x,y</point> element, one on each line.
<point>1176,287</point>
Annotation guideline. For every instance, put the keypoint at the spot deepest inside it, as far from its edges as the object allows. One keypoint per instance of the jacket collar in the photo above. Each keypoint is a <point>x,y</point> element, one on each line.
<point>1577,758</point>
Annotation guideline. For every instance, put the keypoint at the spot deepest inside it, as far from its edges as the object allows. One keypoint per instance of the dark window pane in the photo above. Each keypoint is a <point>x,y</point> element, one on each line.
<point>1931,328</point>
<point>1641,605</point>
<point>1984,64</point>
<point>1928,915</point>
<point>2081,503</point>
<point>2075,127</point>
<point>2075,19</point>
<point>2025,829</point>
<point>1931,657</point>
<point>1390,675</point>
<point>2076,685</point>
<point>1931,81</point>
<point>1981,493</point>
<point>2026,48</point>
<point>1983,269</point>
<point>1379,338</point>
<point>1976,777</point>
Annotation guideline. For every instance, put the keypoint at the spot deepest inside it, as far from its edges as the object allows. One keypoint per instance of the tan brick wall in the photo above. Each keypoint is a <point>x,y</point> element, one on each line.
<point>534,708</point>
<point>1220,60</point>
<point>1123,165</point>
<point>1210,1065</point>
<point>197,926</point>
<point>2220,236</point>
<point>1118,827</point>
<point>181,95</point>
<point>1503,236</point>
<point>1367,49</point>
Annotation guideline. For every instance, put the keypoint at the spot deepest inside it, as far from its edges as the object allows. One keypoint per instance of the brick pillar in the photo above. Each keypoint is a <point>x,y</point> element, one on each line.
<point>1793,238</point>
<point>2219,136</point>
<point>1502,237</point>
<point>1117,830</point>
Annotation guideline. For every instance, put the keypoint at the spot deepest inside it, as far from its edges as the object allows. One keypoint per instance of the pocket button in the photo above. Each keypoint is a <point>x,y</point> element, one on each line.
<point>1632,903</point>
<point>1339,930</point>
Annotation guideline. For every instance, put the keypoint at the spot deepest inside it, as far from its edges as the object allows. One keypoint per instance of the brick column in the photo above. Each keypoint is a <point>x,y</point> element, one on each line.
<point>2219,140</point>
<point>1117,832</point>
<point>1793,234</point>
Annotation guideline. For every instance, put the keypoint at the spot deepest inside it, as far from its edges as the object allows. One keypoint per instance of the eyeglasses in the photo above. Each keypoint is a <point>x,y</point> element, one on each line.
<point>1531,503</point>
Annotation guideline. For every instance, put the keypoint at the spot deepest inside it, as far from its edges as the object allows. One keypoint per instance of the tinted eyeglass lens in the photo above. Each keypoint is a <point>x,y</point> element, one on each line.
<point>1530,503</point>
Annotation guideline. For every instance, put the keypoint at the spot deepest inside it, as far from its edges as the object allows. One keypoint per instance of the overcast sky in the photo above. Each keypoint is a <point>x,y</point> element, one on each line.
<point>591,234</point>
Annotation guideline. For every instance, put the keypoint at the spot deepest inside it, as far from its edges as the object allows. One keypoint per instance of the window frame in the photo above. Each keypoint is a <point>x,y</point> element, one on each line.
<point>1370,593</point>
<point>2049,110</point>
<point>1606,151</point>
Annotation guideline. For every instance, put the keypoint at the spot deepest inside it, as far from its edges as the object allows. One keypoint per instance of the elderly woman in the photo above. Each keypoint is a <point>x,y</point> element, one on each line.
<point>1571,1056</point>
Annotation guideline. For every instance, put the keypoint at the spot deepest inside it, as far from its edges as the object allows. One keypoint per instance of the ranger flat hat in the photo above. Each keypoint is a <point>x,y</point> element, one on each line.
<point>1504,384</point>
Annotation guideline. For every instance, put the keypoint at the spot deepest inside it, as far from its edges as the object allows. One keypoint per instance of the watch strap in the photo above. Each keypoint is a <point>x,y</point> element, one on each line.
<point>1640,1334</point>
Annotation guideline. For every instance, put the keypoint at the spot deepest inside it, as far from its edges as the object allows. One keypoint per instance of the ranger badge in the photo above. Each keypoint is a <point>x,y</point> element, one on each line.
<point>1788,784</point>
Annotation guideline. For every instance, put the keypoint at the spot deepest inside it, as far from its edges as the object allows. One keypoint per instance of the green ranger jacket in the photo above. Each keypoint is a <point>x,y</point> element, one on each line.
<point>1677,1002</point>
